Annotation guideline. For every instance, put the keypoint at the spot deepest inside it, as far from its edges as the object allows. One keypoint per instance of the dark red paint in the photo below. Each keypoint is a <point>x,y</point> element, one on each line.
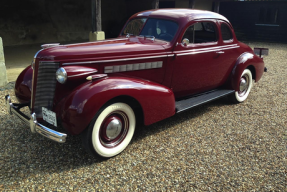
<point>23,85</point>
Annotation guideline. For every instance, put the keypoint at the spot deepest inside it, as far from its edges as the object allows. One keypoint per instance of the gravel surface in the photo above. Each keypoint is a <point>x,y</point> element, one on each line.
<point>215,147</point>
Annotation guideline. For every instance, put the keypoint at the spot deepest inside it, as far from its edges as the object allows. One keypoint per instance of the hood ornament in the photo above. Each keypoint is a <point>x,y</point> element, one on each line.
<point>46,46</point>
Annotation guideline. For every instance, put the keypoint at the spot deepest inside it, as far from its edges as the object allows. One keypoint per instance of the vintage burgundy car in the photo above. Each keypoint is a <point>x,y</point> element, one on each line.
<point>163,62</point>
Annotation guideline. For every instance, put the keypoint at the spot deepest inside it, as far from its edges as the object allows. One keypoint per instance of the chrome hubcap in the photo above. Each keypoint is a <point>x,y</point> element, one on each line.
<point>244,85</point>
<point>114,128</point>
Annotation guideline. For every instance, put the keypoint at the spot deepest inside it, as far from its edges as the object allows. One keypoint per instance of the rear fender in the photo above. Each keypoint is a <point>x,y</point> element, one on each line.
<point>79,108</point>
<point>246,60</point>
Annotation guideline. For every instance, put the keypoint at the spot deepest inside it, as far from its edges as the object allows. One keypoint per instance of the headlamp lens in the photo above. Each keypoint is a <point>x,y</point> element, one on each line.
<point>61,75</point>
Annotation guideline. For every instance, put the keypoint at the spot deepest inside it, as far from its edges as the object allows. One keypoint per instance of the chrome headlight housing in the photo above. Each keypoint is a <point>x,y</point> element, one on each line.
<point>61,75</point>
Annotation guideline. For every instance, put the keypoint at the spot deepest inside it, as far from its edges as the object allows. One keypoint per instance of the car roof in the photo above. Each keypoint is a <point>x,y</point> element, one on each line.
<point>180,14</point>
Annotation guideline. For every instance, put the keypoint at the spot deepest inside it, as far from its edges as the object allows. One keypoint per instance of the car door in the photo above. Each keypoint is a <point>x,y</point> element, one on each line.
<point>229,47</point>
<point>198,61</point>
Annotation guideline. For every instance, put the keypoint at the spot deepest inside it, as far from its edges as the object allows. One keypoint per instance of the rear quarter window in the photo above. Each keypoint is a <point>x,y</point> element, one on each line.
<point>226,32</point>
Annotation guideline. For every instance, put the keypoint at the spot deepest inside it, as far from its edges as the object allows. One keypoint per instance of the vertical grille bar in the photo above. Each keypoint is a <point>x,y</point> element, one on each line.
<point>45,88</point>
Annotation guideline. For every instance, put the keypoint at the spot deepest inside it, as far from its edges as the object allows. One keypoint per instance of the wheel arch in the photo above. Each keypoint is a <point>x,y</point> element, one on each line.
<point>253,71</point>
<point>151,101</point>
<point>246,61</point>
<point>132,102</point>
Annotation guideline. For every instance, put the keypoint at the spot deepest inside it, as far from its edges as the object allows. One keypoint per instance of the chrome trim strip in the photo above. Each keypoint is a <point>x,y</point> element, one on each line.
<point>81,74</point>
<point>97,76</point>
<point>51,62</point>
<point>35,56</point>
<point>34,125</point>
<point>133,67</point>
<point>114,60</point>
<point>209,48</point>
<point>197,52</point>
<point>149,57</point>
<point>170,55</point>
<point>206,101</point>
<point>88,43</point>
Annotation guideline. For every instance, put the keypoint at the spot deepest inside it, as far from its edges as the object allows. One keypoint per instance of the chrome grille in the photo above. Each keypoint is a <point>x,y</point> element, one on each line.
<point>46,85</point>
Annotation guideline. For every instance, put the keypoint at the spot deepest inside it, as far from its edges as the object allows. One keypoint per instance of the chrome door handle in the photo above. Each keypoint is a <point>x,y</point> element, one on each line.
<point>220,52</point>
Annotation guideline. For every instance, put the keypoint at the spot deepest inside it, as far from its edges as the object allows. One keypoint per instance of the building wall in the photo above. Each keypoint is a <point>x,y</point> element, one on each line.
<point>34,21</point>
<point>246,18</point>
<point>114,16</point>
<point>203,4</point>
<point>181,3</point>
<point>47,21</point>
<point>199,4</point>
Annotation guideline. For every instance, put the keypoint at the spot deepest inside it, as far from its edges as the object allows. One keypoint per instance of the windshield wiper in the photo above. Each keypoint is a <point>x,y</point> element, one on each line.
<point>148,36</point>
<point>129,34</point>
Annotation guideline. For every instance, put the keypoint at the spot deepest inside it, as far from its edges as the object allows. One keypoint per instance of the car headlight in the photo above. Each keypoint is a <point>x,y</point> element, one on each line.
<point>61,75</point>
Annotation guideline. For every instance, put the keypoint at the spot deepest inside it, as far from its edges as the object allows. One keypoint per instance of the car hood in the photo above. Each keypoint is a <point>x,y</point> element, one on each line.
<point>107,49</point>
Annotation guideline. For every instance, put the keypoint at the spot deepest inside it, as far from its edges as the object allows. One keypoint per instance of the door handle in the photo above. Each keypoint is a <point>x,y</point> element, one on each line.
<point>220,52</point>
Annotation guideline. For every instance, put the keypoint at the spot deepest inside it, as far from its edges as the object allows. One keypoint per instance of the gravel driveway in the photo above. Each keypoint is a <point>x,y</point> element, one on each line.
<point>215,147</point>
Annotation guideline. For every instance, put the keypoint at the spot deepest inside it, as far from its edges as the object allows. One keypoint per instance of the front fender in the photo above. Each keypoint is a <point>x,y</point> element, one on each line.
<point>246,60</point>
<point>23,85</point>
<point>79,108</point>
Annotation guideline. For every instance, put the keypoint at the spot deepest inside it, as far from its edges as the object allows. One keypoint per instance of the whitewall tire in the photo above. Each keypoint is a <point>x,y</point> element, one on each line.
<point>245,85</point>
<point>111,130</point>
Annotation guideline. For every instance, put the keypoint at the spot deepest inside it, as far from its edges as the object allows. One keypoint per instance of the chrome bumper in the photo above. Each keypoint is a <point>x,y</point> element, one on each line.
<point>33,124</point>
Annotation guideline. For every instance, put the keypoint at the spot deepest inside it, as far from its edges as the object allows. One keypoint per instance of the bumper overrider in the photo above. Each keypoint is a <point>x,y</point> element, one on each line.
<point>31,121</point>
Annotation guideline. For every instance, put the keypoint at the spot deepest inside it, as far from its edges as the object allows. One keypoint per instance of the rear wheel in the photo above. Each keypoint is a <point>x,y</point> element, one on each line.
<point>245,86</point>
<point>110,131</point>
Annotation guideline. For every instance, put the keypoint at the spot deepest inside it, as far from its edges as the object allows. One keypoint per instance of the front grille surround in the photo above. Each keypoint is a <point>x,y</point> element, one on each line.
<point>45,86</point>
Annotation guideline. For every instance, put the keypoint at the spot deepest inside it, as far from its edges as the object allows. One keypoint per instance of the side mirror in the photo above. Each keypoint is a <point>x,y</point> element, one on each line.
<point>185,42</point>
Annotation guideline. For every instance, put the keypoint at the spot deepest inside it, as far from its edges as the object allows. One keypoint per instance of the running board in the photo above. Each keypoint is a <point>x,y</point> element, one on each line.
<point>183,105</point>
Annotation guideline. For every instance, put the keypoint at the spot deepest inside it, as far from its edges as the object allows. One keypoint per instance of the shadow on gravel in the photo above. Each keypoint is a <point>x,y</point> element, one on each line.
<point>145,131</point>
<point>23,153</point>
<point>9,86</point>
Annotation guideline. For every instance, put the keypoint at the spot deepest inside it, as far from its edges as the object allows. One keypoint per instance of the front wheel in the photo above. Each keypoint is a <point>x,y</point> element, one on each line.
<point>110,131</point>
<point>245,86</point>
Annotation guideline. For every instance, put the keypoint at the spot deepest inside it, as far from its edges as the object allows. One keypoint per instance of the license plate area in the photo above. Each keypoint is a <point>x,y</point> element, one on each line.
<point>49,116</point>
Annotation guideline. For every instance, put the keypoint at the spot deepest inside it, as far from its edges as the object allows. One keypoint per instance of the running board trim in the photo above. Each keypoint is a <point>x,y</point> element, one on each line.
<point>186,104</point>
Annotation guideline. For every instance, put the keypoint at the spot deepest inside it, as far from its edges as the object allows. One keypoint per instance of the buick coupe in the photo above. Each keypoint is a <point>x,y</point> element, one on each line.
<point>163,62</point>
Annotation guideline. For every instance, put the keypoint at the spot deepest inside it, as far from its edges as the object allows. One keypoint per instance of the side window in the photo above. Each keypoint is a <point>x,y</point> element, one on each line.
<point>201,32</point>
<point>226,32</point>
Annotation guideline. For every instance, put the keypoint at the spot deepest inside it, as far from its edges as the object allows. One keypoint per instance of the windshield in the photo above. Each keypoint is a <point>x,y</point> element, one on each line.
<point>158,28</point>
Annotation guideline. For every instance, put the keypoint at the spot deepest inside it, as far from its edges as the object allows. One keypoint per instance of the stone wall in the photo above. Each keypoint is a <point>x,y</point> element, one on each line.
<point>3,75</point>
<point>46,21</point>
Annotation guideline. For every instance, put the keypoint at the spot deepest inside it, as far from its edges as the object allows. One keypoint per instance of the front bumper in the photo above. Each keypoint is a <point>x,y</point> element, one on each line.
<point>32,122</point>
